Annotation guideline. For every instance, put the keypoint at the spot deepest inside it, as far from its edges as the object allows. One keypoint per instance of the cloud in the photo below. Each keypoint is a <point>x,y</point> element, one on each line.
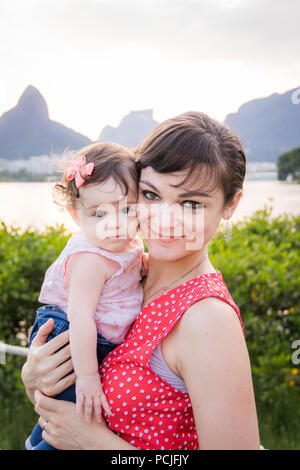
<point>245,30</point>
<point>95,60</point>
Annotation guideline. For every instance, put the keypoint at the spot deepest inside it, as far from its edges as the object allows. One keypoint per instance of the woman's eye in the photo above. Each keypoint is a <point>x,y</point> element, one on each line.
<point>125,210</point>
<point>150,195</point>
<point>192,204</point>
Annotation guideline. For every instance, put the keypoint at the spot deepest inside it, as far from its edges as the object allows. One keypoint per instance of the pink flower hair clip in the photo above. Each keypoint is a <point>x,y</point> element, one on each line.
<point>80,170</point>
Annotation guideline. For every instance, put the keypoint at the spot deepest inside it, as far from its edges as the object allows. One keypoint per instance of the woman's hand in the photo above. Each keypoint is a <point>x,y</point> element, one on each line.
<point>64,429</point>
<point>46,368</point>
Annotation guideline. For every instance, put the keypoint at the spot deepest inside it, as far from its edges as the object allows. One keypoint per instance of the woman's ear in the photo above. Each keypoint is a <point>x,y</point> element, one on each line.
<point>230,208</point>
<point>74,214</point>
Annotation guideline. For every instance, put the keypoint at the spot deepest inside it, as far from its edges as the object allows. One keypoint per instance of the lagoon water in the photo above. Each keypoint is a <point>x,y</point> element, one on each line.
<point>30,204</point>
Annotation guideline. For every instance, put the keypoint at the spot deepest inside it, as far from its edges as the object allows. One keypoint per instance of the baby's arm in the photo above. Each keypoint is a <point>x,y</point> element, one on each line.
<point>87,278</point>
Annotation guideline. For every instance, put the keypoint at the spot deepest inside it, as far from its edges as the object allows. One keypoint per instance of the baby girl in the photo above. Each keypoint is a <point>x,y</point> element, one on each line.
<point>93,288</point>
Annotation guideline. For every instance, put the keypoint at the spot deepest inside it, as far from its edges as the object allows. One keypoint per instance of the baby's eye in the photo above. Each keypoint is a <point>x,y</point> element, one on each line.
<point>125,210</point>
<point>150,195</point>
<point>131,210</point>
<point>99,214</point>
<point>192,204</point>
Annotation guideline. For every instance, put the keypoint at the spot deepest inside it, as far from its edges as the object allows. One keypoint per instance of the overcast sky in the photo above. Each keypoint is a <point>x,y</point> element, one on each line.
<point>96,60</point>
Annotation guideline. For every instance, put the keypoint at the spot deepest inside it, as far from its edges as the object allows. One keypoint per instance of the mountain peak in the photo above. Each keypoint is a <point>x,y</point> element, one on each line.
<point>27,131</point>
<point>267,126</point>
<point>33,102</point>
<point>133,128</point>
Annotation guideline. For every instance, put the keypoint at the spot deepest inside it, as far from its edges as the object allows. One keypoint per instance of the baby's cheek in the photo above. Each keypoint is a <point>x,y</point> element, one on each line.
<point>132,227</point>
<point>99,230</point>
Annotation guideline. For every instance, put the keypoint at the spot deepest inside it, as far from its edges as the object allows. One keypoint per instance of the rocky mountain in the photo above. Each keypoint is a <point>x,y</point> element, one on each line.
<point>266,126</point>
<point>133,128</point>
<point>26,130</point>
<point>269,126</point>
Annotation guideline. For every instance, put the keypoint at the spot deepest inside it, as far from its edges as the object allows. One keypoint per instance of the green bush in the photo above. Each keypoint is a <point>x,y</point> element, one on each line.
<point>24,259</point>
<point>260,265</point>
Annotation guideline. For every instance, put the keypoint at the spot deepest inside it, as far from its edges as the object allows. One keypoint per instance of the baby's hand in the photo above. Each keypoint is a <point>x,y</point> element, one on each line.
<point>90,396</point>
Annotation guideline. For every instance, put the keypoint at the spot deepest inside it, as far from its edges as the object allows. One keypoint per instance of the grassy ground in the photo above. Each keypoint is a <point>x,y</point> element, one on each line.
<point>18,418</point>
<point>279,426</point>
<point>286,439</point>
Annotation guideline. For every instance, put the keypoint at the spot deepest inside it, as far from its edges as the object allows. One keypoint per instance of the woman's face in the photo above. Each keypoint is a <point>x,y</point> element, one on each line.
<point>177,221</point>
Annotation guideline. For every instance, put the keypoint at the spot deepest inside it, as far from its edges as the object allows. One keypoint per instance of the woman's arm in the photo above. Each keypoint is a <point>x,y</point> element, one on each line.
<point>213,360</point>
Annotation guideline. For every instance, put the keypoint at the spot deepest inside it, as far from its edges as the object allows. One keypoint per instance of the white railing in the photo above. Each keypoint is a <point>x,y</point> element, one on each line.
<point>9,349</point>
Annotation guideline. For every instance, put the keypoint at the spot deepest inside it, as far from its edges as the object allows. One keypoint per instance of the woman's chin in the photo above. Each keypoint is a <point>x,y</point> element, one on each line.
<point>165,250</point>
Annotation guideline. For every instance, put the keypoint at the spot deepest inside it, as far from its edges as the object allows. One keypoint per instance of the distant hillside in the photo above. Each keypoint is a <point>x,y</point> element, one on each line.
<point>26,130</point>
<point>268,126</point>
<point>132,129</point>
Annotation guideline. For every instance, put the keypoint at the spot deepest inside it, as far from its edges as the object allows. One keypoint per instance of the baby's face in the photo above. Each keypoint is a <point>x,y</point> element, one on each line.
<point>107,217</point>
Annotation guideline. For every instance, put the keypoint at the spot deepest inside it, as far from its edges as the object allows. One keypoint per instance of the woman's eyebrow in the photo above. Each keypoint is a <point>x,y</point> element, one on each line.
<point>194,193</point>
<point>150,184</point>
<point>186,194</point>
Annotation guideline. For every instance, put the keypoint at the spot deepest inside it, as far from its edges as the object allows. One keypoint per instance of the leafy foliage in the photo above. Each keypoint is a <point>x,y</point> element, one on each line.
<point>260,265</point>
<point>289,162</point>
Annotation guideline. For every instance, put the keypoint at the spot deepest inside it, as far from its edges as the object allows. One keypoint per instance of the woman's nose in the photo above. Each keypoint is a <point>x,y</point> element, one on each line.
<point>166,220</point>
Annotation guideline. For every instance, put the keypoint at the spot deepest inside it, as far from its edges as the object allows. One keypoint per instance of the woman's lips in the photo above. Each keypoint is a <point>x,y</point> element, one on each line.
<point>165,238</point>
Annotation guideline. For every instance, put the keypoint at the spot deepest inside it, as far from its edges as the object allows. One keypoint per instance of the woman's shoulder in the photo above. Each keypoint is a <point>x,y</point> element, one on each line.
<point>204,329</point>
<point>206,315</point>
<point>211,301</point>
<point>210,312</point>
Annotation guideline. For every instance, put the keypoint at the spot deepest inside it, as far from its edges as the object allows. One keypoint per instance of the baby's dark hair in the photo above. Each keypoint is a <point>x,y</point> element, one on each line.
<point>110,160</point>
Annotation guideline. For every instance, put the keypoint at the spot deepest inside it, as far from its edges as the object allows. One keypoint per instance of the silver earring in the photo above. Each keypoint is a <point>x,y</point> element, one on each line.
<point>227,230</point>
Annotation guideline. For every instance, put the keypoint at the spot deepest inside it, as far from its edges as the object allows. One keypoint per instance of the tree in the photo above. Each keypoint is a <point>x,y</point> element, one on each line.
<point>289,163</point>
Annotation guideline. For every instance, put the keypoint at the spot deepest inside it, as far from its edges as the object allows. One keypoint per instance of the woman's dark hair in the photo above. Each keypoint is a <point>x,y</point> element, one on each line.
<point>110,160</point>
<point>199,143</point>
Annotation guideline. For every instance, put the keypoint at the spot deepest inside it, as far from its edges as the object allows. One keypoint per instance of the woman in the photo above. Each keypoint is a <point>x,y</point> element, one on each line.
<point>182,378</point>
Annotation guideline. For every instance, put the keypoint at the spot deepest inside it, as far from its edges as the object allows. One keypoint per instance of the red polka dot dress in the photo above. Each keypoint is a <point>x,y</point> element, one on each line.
<point>147,411</point>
